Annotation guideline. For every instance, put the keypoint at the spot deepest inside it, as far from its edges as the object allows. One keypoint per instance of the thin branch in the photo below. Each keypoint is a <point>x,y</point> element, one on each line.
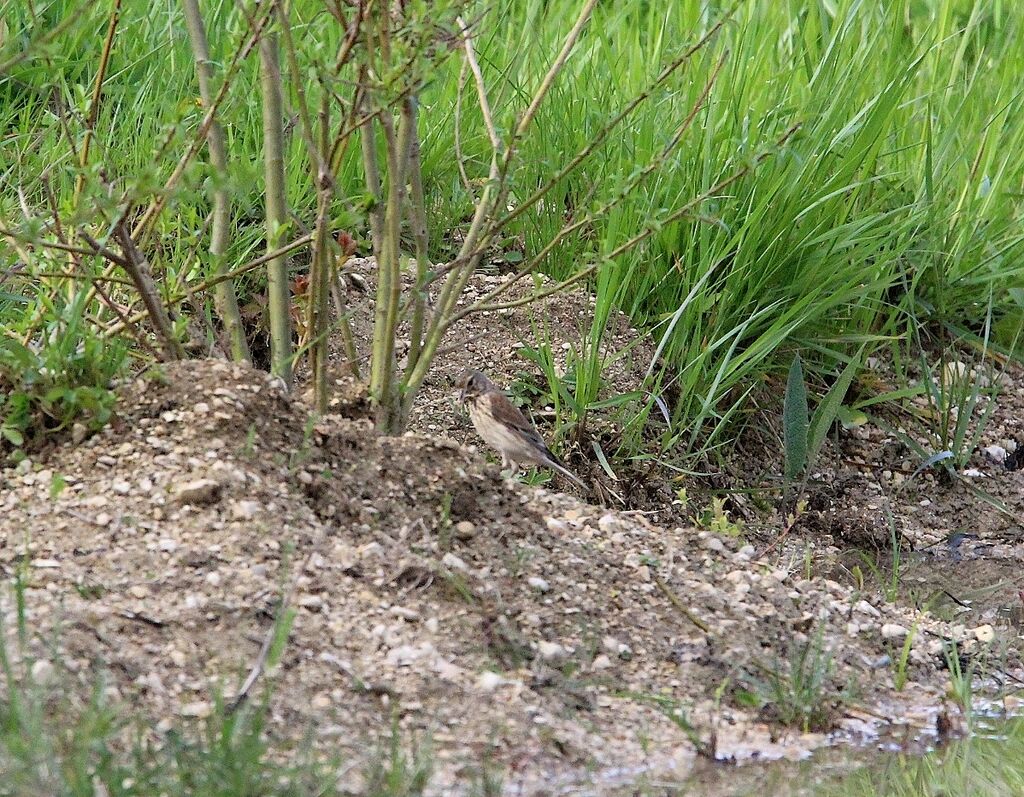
<point>613,123</point>
<point>141,274</point>
<point>53,34</point>
<point>224,297</point>
<point>160,200</point>
<point>679,605</point>
<point>97,93</point>
<point>275,208</point>
<point>210,282</point>
<point>647,232</point>
<point>590,218</point>
<point>481,87</point>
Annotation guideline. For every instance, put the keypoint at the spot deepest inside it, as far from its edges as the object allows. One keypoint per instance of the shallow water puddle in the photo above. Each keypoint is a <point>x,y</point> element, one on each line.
<point>990,761</point>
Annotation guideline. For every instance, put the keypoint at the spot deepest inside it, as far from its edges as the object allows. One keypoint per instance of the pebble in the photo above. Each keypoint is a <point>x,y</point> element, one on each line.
<point>607,522</point>
<point>552,652</point>
<point>43,672</point>
<point>488,681</point>
<point>453,562</point>
<point>199,492</point>
<point>199,708</point>
<point>996,453</point>
<point>866,608</point>
<point>405,613</point>
<point>465,530</point>
<point>602,662</point>
<point>984,633</point>
<point>312,602</point>
<point>893,631</point>
<point>245,510</point>
<point>539,584</point>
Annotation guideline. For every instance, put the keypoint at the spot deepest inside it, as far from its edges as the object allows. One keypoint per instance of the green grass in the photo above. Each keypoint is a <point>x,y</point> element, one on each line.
<point>897,204</point>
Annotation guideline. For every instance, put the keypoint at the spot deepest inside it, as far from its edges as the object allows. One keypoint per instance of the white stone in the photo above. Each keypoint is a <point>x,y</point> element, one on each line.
<point>552,652</point>
<point>893,631</point>
<point>453,562</point>
<point>984,633</point>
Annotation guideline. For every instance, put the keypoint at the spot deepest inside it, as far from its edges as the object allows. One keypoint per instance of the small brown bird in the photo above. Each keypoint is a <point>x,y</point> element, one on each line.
<point>504,427</point>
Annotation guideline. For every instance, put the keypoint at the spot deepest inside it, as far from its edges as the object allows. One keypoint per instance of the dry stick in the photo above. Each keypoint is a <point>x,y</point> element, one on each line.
<point>275,209</point>
<point>674,600</point>
<point>158,203</point>
<point>91,278</point>
<point>133,330</point>
<point>104,251</point>
<point>63,247</point>
<point>213,281</point>
<point>139,271</point>
<point>480,232</point>
<point>261,658</point>
<point>422,244</point>
<point>345,50</point>
<point>224,297</point>
<point>97,93</point>
<point>51,35</point>
<point>483,303</point>
<point>460,161</point>
<point>348,340</point>
<point>790,523</point>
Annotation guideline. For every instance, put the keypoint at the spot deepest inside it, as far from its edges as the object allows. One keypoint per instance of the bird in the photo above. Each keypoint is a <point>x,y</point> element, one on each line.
<point>504,427</point>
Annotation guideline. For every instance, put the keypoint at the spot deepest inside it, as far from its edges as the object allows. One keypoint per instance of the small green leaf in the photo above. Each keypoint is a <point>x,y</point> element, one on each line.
<point>57,485</point>
<point>825,413</point>
<point>13,436</point>
<point>851,418</point>
<point>794,420</point>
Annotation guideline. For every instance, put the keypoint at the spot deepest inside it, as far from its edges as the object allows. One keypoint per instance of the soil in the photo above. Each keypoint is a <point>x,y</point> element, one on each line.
<point>507,627</point>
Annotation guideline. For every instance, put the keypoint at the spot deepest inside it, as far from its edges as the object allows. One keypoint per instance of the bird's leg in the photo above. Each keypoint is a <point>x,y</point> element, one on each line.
<point>508,467</point>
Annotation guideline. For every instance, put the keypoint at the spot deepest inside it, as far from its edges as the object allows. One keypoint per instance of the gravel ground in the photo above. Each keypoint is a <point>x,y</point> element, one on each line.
<point>508,626</point>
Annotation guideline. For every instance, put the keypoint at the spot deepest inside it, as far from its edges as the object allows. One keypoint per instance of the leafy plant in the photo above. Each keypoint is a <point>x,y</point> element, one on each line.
<point>61,378</point>
<point>795,689</point>
<point>805,436</point>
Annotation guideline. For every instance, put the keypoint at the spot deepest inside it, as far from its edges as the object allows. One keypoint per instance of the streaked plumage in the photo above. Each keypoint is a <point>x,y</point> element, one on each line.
<point>503,427</point>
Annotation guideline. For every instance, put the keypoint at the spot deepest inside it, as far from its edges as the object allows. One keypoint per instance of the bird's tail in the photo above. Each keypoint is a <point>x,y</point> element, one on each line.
<point>554,463</point>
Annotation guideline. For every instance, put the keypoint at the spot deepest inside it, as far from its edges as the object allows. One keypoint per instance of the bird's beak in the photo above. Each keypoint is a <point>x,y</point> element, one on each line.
<point>462,395</point>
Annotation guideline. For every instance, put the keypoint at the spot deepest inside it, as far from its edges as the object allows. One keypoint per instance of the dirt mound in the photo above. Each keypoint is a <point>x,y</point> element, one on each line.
<point>511,627</point>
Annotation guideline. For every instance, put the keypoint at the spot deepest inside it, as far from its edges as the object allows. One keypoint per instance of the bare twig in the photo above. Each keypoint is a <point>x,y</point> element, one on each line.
<point>481,88</point>
<point>678,604</point>
<point>275,209</point>
<point>224,296</point>
<point>210,282</point>
<point>141,274</point>
<point>97,93</point>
